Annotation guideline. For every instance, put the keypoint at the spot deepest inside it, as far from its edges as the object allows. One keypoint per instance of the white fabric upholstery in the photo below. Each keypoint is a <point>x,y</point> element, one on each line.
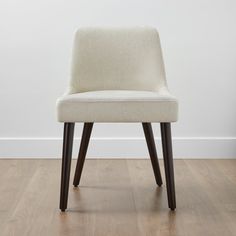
<point>117,76</point>
<point>118,106</point>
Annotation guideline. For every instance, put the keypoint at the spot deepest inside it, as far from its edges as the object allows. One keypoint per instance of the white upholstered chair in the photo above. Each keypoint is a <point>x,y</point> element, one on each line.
<point>117,76</point>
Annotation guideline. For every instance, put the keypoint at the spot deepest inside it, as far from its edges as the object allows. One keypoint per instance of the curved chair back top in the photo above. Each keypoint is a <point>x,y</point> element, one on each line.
<point>117,59</point>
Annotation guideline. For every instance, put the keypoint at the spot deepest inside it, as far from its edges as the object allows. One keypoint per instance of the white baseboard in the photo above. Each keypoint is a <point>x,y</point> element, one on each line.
<point>183,147</point>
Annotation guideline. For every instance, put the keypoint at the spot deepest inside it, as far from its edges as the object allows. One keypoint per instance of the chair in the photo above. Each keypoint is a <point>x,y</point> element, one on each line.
<point>117,76</point>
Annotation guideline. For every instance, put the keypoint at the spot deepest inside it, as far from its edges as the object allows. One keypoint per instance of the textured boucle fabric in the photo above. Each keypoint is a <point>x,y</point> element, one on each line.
<point>117,76</point>
<point>117,58</point>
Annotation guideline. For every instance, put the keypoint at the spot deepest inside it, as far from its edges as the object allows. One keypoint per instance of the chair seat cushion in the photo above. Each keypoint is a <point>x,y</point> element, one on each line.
<point>118,106</point>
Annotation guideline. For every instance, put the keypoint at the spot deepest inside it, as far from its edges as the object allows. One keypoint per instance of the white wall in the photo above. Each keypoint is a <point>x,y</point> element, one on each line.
<point>199,47</point>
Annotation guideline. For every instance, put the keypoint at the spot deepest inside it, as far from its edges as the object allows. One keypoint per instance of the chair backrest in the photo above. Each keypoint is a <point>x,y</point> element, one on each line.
<point>117,59</point>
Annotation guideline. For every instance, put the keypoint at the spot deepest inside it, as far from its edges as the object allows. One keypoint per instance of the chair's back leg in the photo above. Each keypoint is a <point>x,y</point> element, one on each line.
<point>168,163</point>
<point>147,128</point>
<point>82,152</point>
<point>66,163</point>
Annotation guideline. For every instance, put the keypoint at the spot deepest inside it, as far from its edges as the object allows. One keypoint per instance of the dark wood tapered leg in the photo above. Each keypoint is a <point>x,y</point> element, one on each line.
<point>66,163</point>
<point>147,128</point>
<point>82,152</point>
<point>168,163</point>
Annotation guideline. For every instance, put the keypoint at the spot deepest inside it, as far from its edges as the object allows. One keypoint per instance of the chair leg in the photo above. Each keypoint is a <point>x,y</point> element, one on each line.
<point>168,163</point>
<point>66,163</point>
<point>147,128</point>
<point>82,152</point>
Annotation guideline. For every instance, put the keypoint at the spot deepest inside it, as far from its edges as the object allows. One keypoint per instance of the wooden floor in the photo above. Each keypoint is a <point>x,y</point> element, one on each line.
<point>118,197</point>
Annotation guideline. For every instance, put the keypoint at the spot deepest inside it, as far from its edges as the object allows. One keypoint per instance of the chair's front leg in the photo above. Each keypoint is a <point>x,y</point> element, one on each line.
<point>168,163</point>
<point>66,163</point>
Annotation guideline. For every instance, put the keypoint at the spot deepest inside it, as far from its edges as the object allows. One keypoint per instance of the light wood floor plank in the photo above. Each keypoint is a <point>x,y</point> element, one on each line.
<point>118,197</point>
<point>220,192</point>
<point>14,179</point>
